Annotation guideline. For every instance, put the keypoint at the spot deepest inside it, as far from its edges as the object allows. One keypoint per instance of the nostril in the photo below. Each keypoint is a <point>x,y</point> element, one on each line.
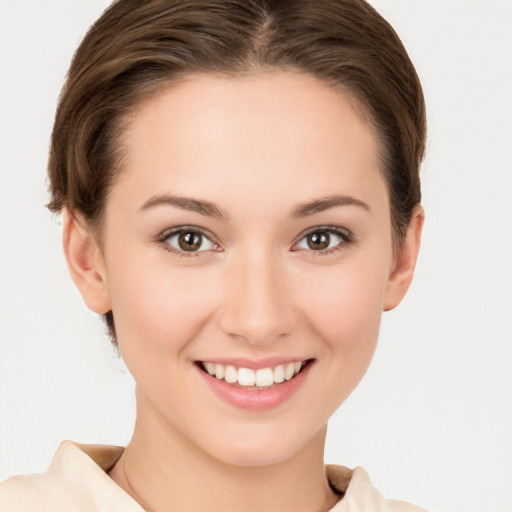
<point>257,305</point>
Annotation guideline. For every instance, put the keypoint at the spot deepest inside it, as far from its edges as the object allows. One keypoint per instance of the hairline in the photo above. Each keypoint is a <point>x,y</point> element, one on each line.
<point>149,91</point>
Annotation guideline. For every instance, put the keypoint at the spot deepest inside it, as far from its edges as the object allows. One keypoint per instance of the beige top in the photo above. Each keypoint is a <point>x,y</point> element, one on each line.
<point>77,481</point>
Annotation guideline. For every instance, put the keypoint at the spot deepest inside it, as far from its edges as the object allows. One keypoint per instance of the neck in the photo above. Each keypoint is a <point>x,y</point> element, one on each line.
<point>162,470</point>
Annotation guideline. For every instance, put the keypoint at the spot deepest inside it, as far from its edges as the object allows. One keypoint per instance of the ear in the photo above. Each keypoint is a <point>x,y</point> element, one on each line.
<point>405,261</point>
<point>85,262</point>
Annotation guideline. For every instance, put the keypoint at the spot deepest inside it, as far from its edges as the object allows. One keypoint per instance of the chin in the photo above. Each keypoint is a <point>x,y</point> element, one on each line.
<point>263,446</point>
<point>254,456</point>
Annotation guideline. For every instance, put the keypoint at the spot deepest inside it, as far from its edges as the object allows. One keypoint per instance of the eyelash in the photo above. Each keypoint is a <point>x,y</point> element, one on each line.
<point>346,237</point>
<point>163,240</point>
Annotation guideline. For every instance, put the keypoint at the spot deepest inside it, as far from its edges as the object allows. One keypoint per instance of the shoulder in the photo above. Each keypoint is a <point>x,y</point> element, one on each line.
<point>76,480</point>
<point>30,492</point>
<point>402,506</point>
<point>358,493</point>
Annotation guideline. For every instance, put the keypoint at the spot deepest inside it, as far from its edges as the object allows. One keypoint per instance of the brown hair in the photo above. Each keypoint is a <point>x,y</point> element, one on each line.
<point>137,47</point>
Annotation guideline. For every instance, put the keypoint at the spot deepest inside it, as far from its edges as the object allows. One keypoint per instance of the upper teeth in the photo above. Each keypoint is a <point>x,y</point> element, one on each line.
<point>247,377</point>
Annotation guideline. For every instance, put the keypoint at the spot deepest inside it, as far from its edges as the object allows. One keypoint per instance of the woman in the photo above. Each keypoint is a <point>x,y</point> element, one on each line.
<point>240,193</point>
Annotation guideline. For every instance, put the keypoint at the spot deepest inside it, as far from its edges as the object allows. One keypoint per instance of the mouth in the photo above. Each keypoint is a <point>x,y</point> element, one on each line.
<point>252,379</point>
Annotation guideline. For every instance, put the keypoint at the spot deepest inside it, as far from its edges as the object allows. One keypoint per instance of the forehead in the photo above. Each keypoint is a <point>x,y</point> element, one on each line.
<point>278,132</point>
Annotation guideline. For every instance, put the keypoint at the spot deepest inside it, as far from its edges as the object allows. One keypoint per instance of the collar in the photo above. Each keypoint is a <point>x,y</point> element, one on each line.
<point>77,480</point>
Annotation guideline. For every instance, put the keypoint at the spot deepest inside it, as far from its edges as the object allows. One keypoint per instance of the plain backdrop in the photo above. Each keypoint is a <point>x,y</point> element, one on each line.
<point>432,419</point>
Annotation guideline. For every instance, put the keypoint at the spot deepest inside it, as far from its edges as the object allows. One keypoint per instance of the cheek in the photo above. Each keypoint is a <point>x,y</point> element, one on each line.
<point>159,306</point>
<point>345,316</point>
<point>345,307</point>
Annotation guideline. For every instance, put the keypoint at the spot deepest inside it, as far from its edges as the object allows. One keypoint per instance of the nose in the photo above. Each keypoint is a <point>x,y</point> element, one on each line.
<point>258,306</point>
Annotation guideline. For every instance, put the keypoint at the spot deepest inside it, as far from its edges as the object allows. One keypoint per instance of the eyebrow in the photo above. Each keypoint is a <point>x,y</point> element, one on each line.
<point>325,203</point>
<point>210,210</point>
<point>185,203</point>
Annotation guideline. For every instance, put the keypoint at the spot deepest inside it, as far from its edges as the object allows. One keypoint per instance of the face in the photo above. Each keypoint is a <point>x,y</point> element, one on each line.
<point>248,236</point>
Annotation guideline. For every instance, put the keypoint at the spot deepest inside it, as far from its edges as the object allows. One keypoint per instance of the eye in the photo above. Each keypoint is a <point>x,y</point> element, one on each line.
<point>187,240</point>
<point>324,240</point>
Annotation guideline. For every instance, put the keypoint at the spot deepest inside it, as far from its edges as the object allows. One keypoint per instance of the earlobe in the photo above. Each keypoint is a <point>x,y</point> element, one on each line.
<point>405,262</point>
<point>85,262</point>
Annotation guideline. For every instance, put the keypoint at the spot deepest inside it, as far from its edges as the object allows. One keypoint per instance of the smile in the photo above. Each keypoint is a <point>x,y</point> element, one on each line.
<point>263,378</point>
<point>255,386</point>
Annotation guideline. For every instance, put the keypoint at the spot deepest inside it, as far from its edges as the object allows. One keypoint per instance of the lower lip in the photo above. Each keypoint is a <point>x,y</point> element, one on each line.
<point>255,399</point>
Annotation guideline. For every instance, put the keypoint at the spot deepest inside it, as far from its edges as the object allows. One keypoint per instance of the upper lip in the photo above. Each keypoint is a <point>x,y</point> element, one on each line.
<point>255,364</point>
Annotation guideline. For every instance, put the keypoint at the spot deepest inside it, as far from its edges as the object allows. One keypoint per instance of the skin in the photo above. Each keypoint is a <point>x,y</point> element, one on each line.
<point>258,148</point>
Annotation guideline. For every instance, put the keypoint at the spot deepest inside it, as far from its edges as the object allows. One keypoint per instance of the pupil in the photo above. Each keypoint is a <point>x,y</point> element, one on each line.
<point>190,241</point>
<point>319,241</point>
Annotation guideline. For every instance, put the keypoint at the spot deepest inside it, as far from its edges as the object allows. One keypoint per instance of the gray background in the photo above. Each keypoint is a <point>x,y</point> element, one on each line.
<point>432,420</point>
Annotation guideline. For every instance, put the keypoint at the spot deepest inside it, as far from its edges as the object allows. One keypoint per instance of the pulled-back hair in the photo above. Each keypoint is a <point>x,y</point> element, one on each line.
<point>138,47</point>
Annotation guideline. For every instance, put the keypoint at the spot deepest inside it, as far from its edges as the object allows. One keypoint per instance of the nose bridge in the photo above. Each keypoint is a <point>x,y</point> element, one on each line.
<point>257,306</point>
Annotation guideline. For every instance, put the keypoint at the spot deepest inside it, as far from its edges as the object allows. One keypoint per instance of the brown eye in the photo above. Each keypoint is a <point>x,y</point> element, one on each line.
<point>324,240</point>
<point>319,240</point>
<point>190,241</point>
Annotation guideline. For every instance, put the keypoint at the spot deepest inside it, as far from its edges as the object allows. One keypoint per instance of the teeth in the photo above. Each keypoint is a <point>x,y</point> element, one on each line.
<point>230,374</point>
<point>289,371</point>
<point>262,378</point>
<point>279,374</point>
<point>246,377</point>
<point>210,368</point>
<point>219,371</point>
